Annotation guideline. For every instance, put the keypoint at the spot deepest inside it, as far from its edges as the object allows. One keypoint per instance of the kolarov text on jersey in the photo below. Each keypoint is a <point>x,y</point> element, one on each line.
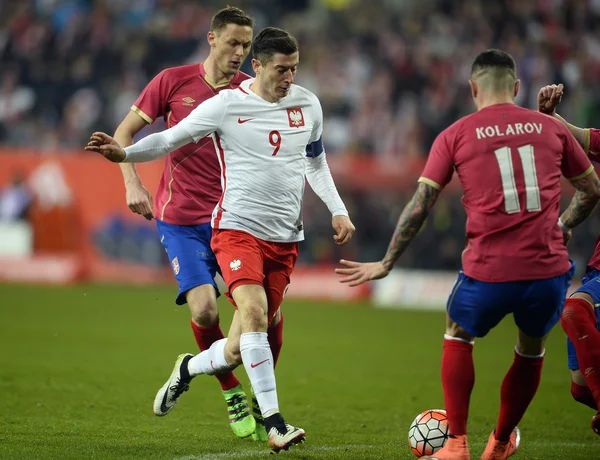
<point>509,161</point>
<point>190,185</point>
<point>262,149</point>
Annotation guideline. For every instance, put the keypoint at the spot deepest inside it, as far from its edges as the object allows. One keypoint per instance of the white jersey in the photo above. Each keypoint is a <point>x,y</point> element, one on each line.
<point>262,148</point>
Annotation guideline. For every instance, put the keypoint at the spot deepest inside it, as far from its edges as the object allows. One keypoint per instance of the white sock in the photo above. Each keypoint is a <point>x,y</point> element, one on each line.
<point>530,356</point>
<point>211,361</point>
<point>258,362</point>
<point>458,339</point>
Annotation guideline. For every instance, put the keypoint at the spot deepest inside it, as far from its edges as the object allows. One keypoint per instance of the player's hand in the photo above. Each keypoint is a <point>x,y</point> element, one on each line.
<point>549,97</point>
<point>139,199</point>
<point>359,272</point>
<point>567,237</point>
<point>106,146</point>
<point>344,229</point>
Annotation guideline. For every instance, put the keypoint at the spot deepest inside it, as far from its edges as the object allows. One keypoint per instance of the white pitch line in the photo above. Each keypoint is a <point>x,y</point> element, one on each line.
<point>343,447</point>
<point>261,453</point>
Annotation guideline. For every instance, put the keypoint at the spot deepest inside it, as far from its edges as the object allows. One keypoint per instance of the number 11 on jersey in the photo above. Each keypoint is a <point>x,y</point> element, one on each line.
<point>509,186</point>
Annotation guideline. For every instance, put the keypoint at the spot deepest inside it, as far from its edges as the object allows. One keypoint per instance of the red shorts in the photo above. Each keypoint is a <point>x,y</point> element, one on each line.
<point>245,259</point>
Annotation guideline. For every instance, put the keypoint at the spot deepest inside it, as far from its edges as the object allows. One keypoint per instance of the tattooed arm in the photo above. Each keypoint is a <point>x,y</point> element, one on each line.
<point>584,201</point>
<point>409,224</point>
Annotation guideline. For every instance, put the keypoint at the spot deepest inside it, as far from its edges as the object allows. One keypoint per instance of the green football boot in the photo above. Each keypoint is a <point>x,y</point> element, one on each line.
<point>260,434</point>
<point>241,421</point>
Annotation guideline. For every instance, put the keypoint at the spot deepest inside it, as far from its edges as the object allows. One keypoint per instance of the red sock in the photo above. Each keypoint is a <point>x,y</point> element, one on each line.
<point>583,395</point>
<point>518,389</point>
<point>205,337</point>
<point>579,322</point>
<point>458,378</point>
<point>275,337</point>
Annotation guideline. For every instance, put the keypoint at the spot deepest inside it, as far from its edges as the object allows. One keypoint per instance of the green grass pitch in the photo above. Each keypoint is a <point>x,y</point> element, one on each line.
<point>79,368</point>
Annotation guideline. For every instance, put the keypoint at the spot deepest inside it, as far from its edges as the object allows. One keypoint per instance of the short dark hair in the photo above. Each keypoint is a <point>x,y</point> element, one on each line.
<point>230,15</point>
<point>494,59</point>
<point>270,41</point>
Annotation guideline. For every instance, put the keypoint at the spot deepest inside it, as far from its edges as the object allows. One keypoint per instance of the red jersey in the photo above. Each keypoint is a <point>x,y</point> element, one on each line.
<point>593,142</point>
<point>509,161</point>
<point>190,186</point>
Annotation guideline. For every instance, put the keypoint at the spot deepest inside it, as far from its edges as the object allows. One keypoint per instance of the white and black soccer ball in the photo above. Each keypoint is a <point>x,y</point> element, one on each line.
<point>428,432</point>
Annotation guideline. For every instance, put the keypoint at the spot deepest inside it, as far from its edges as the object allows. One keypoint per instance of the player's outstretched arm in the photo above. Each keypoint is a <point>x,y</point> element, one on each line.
<point>151,147</point>
<point>137,196</point>
<point>410,222</point>
<point>106,146</point>
<point>584,201</point>
<point>549,98</point>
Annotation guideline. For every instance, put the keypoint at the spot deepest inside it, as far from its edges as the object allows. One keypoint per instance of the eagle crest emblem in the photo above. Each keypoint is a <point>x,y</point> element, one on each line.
<point>296,117</point>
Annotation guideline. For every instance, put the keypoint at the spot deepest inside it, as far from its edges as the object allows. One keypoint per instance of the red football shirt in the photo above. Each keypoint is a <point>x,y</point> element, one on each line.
<point>509,161</point>
<point>594,154</point>
<point>190,186</point>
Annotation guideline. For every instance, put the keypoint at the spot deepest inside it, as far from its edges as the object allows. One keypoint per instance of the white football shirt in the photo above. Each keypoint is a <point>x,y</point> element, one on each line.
<point>262,148</point>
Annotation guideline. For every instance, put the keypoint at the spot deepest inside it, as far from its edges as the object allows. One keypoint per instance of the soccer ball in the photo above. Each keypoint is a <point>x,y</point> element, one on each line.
<point>428,432</point>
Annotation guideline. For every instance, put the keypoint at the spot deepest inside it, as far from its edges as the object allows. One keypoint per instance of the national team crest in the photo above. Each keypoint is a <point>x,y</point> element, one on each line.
<point>295,117</point>
<point>235,265</point>
<point>175,264</point>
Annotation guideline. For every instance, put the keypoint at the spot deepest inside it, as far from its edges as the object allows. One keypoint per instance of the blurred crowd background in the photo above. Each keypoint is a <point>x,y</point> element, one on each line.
<point>391,74</point>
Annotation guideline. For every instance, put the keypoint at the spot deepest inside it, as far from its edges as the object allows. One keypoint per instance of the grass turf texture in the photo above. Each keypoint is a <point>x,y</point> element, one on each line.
<point>80,366</point>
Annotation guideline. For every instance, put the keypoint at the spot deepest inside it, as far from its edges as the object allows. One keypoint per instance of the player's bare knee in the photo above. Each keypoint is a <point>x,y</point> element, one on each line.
<point>202,302</point>
<point>254,318</point>
<point>204,313</point>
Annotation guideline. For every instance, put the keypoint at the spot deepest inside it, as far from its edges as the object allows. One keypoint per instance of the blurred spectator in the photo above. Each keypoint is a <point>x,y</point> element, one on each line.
<point>390,74</point>
<point>15,200</point>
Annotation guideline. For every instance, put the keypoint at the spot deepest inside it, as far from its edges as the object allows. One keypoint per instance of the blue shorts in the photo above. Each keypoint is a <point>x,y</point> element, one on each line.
<point>478,306</point>
<point>590,284</point>
<point>192,259</point>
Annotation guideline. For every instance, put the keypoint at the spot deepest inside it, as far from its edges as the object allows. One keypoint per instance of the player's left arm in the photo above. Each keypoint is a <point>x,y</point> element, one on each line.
<point>410,222</point>
<point>320,180</point>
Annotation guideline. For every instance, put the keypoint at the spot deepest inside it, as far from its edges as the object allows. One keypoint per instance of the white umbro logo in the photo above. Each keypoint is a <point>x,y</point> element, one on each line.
<point>235,264</point>
<point>189,101</point>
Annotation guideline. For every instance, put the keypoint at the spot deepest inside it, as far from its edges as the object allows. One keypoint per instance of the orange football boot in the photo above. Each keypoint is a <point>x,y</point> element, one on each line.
<point>456,448</point>
<point>496,450</point>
